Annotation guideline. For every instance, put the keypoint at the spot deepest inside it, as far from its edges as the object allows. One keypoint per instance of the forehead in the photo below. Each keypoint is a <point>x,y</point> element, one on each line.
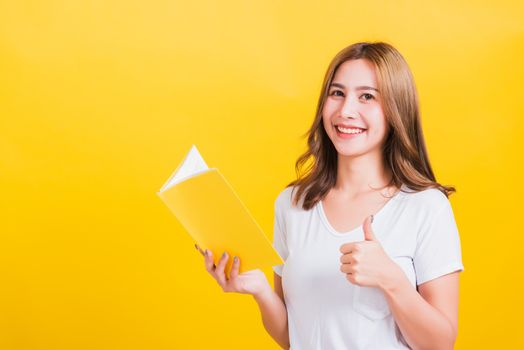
<point>356,72</point>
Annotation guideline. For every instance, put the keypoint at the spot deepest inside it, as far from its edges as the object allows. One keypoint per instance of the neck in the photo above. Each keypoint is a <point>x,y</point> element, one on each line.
<point>362,173</point>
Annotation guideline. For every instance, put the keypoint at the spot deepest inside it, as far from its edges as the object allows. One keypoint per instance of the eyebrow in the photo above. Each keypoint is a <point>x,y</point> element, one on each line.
<point>356,88</point>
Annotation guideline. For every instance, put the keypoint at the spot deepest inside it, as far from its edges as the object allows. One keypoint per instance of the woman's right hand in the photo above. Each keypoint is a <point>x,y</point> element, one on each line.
<point>252,282</point>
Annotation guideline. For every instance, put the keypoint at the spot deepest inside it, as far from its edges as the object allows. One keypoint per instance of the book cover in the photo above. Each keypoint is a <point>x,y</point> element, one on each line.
<point>210,210</point>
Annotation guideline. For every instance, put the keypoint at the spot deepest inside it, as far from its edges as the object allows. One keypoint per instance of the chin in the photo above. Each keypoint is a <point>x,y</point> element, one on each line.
<point>351,152</point>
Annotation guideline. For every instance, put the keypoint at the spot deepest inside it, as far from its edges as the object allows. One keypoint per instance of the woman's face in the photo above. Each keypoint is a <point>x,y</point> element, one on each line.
<point>352,113</point>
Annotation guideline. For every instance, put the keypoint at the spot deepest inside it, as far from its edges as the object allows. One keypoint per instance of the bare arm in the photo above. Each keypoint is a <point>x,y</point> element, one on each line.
<point>274,313</point>
<point>427,320</point>
<point>254,282</point>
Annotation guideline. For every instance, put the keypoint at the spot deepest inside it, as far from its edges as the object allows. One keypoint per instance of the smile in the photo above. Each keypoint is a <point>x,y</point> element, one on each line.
<point>350,131</point>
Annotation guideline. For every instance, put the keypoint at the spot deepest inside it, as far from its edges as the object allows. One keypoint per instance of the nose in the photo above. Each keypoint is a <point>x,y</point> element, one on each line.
<point>349,108</point>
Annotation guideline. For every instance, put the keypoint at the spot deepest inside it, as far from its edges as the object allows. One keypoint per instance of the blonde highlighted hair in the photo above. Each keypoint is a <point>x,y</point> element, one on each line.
<point>404,149</point>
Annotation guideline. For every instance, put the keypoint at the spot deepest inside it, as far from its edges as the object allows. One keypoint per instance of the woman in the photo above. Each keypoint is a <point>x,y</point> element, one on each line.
<point>371,248</point>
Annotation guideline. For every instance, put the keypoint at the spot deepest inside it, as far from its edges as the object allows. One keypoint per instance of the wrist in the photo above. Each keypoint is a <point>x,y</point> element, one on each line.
<point>263,295</point>
<point>393,280</point>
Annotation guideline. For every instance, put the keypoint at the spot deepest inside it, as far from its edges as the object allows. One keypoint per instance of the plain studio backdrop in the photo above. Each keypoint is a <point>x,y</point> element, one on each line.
<point>99,102</point>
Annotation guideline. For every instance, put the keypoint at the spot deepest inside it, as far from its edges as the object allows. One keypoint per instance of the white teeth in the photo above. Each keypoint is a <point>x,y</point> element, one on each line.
<point>349,131</point>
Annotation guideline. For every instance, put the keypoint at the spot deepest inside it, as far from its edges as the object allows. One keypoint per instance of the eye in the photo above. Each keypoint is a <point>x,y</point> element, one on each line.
<point>369,95</point>
<point>333,92</point>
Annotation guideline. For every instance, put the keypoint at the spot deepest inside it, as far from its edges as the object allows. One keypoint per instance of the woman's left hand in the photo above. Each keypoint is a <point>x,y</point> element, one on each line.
<point>366,263</point>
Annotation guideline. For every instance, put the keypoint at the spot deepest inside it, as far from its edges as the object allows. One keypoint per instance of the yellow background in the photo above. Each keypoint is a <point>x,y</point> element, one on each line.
<point>100,100</point>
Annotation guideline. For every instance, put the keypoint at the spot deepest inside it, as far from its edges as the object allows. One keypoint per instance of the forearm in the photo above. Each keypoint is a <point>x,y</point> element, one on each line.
<point>422,325</point>
<point>274,317</point>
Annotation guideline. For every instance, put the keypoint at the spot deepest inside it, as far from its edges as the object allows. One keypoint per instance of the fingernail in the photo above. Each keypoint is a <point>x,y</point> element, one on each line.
<point>206,252</point>
<point>372,218</point>
<point>236,258</point>
<point>224,255</point>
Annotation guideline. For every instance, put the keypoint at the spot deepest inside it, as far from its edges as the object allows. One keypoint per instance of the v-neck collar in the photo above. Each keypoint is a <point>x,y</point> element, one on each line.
<point>378,214</point>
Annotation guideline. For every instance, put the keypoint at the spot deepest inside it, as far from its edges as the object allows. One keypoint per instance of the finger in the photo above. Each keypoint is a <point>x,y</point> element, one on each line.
<point>210,265</point>
<point>369,235</point>
<point>346,259</point>
<point>347,268</point>
<point>354,279</point>
<point>219,271</point>
<point>236,267</point>
<point>347,248</point>
<point>200,250</point>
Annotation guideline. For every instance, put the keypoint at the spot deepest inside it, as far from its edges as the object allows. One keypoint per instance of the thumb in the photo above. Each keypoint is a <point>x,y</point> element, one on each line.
<point>368,231</point>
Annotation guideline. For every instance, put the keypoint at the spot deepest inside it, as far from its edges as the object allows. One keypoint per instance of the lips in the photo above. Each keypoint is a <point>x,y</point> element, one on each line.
<point>348,126</point>
<point>349,131</point>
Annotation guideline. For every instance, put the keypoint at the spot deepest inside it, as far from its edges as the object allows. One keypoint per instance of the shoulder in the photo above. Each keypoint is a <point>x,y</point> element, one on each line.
<point>285,197</point>
<point>431,199</point>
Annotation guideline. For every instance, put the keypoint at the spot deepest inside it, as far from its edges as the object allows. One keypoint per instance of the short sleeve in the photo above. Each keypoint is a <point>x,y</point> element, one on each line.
<point>438,250</point>
<point>279,237</point>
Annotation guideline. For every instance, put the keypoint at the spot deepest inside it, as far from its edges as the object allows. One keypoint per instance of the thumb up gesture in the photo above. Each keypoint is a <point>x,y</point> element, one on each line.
<point>368,231</point>
<point>365,263</point>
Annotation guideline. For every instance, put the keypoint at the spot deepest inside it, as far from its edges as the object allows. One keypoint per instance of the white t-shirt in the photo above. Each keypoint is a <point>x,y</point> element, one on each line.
<point>326,311</point>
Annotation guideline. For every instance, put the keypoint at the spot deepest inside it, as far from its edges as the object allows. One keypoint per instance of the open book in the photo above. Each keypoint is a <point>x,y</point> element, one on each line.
<point>215,217</point>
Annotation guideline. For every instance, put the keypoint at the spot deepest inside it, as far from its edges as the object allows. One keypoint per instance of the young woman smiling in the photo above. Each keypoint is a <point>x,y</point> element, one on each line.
<point>371,248</point>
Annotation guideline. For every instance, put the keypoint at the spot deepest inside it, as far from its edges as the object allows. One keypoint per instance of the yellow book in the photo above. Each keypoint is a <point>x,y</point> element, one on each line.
<point>212,213</point>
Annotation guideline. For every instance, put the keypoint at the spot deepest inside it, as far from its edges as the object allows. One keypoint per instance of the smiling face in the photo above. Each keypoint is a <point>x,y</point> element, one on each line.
<point>352,113</point>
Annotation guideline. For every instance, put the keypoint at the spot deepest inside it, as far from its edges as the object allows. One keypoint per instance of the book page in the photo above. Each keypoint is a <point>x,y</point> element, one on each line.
<point>193,164</point>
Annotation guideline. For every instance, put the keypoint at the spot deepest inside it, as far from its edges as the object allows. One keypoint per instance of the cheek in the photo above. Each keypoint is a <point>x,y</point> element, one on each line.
<point>329,107</point>
<point>329,131</point>
<point>380,131</point>
<point>326,122</point>
<point>327,113</point>
<point>378,119</point>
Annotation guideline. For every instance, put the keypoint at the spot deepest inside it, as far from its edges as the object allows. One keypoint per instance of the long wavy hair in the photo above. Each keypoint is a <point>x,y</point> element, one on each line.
<point>404,150</point>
